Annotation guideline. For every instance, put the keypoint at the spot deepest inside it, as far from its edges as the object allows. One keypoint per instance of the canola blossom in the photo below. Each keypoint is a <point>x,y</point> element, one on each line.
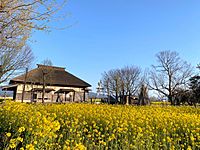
<point>96,127</point>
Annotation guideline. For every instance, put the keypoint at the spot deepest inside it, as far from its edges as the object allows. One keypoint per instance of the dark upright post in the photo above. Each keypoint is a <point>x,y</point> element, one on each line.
<point>84,95</point>
<point>23,91</point>
<point>74,96</point>
<point>65,97</point>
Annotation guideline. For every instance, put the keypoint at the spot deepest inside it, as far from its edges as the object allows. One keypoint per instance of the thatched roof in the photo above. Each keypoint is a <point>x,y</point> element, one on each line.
<point>55,76</point>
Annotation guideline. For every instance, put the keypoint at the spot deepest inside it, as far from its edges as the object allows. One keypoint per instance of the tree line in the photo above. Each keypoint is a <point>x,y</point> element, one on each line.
<point>171,77</point>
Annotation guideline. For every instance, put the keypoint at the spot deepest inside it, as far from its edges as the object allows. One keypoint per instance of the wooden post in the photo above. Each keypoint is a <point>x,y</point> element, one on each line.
<point>14,94</point>
<point>51,97</point>
<point>57,97</point>
<point>31,96</point>
<point>74,96</point>
<point>5,95</point>
<point>23,91</point>
<point>43,87</point>
<point>84,95</point>
<point>127,100</point>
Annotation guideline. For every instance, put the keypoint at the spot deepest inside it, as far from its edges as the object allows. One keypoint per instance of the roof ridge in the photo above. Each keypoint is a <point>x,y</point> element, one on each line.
<point>47,66</point>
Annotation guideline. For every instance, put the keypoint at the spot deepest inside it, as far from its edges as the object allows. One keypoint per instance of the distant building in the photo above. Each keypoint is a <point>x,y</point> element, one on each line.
<point>60,85</point>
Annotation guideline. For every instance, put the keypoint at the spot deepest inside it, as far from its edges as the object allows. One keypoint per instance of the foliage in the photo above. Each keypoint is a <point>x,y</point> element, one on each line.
<point>86,126</point>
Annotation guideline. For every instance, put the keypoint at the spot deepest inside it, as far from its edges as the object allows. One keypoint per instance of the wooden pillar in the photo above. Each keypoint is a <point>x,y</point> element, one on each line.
<point>127,100</point>
<point>31,96</point>
<point>51,97</point>
<point>84,95</point>
<point>65,97</point>
<point>24,85</point>
<point>5,95</point>
<point>73,96</point>
<point>57,97</point>
<point>15,94</point>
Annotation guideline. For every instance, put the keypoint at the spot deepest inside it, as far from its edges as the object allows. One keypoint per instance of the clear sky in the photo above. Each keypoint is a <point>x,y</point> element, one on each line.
<point>109,34</point>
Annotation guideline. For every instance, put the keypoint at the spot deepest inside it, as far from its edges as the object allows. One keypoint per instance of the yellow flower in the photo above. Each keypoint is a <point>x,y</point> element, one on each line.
<point>20,139</point>
<point>168,139</point>
<point>21,129</point>
<point>61,135</point>
<point>192,138</point>
<point>94,126</point>
<point>89,135</point>
<point>8,134</point>
<point>35,142</point>
<point>66,148</point>
<point>67,142</point>
<point>140,129</point>
<point>189,148</point>
<point>12,143</point>
<point>80,146</point>
<point>30,147</point>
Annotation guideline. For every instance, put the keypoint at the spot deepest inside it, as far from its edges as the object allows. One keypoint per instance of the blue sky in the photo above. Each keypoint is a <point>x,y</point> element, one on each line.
<point>110,34</point>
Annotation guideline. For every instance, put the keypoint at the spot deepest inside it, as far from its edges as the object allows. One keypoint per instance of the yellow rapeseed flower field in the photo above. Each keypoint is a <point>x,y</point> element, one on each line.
<point>95,127</point>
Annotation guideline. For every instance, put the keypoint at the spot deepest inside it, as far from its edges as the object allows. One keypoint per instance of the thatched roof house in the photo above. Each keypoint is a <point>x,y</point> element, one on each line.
<point>58,84</point>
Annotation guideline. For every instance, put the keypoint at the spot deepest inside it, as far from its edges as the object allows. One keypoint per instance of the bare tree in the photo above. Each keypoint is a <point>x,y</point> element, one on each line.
<point>111,81</point>
<point>47,62</point>
<point>170,74</point>
<point>12,60</point>
<point>130,79</point>
<point>45,70</point>
<point>19,17</point>
<point>121,82</point>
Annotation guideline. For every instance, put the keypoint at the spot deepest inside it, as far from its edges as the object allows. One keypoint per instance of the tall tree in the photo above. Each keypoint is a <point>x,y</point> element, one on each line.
<point>169,74</point>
